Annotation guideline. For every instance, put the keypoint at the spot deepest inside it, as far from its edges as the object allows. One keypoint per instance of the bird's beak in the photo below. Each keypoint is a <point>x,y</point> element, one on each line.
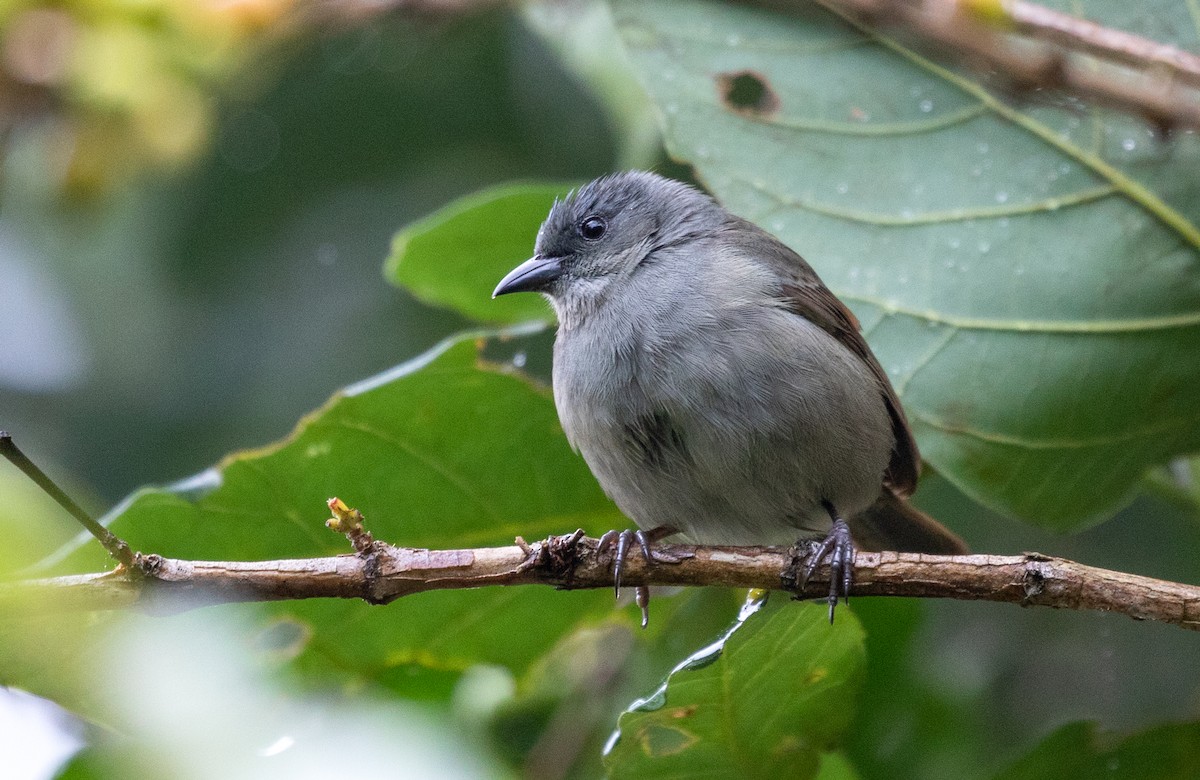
<point>533,275</point>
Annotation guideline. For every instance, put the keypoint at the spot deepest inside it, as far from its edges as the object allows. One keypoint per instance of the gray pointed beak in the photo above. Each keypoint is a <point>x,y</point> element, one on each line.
<point>533,275</point>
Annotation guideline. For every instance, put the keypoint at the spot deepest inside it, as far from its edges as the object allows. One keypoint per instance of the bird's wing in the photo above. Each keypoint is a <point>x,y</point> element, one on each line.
<point>805,294</point>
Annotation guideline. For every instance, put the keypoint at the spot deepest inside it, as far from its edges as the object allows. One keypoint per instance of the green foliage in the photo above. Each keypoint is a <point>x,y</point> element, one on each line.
<point>1077,750</point>
<point>457,255</point>
<point>1025,275</point>
<point>766,700</point>
<point>434,454</point>
<point>132,82</point>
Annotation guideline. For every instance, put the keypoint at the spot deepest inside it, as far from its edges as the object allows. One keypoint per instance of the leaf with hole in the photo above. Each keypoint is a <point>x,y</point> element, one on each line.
<point>1028,275</point>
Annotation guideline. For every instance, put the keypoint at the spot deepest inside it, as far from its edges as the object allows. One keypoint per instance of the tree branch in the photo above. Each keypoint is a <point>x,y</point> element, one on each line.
<point>1084,36</point>
<point>381,573</point>
<point>1037,48</point>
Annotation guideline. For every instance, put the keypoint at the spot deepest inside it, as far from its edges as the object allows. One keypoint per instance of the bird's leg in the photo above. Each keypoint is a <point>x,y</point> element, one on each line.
<point>839,547</point>
<point>619,543</point>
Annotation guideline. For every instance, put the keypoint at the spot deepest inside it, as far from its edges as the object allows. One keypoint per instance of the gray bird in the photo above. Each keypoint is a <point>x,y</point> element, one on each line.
<point>714,385</point>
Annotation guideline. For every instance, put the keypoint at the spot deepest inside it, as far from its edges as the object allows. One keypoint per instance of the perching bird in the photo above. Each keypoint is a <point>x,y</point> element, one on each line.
<point>715,385</point>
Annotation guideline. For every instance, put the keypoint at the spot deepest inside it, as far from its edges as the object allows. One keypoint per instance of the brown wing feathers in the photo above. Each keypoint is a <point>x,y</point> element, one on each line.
<point>818,305</point>
<point>806,295</point>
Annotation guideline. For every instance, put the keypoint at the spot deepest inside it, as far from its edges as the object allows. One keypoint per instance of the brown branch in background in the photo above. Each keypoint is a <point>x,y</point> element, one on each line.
<point>1037,48</point>
<point>1081,35</point>
<point>388,573</point>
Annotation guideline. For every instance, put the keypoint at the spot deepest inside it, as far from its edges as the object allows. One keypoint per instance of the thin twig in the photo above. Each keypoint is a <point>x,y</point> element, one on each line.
<point>116,547</point>
<point>389,573</point>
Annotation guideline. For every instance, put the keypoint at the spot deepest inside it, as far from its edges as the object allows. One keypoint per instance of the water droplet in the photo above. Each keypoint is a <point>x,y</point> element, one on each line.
<point>1129,144</point>
<point>1064,169</point>
<point>655,701</point>
<point>984,247</point>
<point>733,40</point>
<point>519,359</point>
<point>955,242</point>
<point>1019,271</point>
<point>1001,197</point>
<point>777,225</point>
<point>703,152</point>
<point>706,657</point>
<point>755,599</point>
<point>914,91</point>
<point>843,188</point>
<point>982,148</point>
<point>925,105</point>
<point>906,214</point>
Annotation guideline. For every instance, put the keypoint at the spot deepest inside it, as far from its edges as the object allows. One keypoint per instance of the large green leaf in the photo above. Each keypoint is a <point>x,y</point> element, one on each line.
<point>767,700</point>
<point>455,256</point>
<point>446,451</point>
<point>1029,277</point>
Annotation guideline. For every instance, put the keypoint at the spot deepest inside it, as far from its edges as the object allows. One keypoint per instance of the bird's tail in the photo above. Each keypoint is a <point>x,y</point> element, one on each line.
<point>891,523</point>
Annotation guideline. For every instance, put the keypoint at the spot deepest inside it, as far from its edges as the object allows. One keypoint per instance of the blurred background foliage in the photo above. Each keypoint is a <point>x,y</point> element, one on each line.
<point>196,202</point>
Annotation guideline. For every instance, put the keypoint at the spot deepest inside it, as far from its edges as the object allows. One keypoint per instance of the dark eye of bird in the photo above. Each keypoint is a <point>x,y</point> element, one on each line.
<point>592,228</point>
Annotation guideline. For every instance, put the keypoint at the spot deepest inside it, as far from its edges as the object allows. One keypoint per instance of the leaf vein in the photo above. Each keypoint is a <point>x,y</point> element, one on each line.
<point>1132,325</point>
<point>1053,203</point>
<point>455,479</point>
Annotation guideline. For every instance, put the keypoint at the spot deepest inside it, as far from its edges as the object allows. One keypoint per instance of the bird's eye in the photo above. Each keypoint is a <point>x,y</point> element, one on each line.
<point>592,228</point>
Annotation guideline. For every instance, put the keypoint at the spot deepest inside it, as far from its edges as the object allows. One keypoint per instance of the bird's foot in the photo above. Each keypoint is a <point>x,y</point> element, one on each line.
<point>617,544</point>
<point>838,549</point>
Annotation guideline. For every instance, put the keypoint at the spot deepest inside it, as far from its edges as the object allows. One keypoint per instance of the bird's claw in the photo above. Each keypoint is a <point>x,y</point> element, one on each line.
<point>838,548</point>
<point>619,542</point>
